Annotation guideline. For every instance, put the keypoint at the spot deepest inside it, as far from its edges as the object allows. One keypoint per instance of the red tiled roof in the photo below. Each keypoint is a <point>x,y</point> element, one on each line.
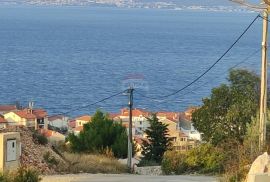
<point>36,113</point>
<point>135,112</point>
<point>72,124</point>
<point>25,114</point>
<point>173,116</point>
<point>47,133</point>
<point>7,107</point>
<point>84,118</point>
<point>2,120</point>
<point>39,113</point>
<point>113,115</point>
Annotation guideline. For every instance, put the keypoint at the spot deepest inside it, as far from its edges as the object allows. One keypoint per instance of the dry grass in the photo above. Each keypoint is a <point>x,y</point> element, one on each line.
<point>89,163</point>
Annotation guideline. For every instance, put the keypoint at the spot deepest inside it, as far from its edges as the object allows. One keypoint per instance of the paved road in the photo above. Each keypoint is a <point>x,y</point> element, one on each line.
<point>125,178</point>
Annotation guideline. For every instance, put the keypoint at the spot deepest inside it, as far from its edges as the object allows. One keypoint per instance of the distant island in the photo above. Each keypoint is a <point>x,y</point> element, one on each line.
<point>202,5</point>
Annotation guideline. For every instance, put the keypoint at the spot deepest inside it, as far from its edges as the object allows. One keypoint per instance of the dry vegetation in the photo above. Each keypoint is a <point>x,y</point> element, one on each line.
<point>90,163</point>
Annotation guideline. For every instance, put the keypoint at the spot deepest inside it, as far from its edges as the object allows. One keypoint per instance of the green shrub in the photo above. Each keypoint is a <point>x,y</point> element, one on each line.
<point>50,159</point>
<point>41,139</point>
<point>203,159</point>
<point>26,175</point>
<point>4,178</point>
<point>174,163</point>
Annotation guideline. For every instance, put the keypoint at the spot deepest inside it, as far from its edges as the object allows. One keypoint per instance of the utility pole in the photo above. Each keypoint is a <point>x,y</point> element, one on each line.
<point>264,6</point>
<point>263,99</point>
<point>130,140</point>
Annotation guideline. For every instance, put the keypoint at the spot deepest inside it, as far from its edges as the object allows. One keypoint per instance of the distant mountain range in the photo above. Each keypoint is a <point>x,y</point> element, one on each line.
<point>214,5</point>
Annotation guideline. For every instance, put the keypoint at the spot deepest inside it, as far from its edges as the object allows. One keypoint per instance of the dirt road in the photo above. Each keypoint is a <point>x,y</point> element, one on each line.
<point>126,178</point>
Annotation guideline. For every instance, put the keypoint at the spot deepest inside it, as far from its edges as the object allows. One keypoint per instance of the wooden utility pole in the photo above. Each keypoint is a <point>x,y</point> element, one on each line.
<point>263,99</point>
<point>130,140</point>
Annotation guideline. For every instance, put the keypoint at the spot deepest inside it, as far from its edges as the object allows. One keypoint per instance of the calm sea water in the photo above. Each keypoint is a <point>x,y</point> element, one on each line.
<point>67,57</point>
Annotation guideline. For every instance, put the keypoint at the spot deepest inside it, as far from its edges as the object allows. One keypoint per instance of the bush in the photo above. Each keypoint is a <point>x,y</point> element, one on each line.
<point>21,175</point>
<point>39,138</point>
<point>203,159</point>
<point>50,159</point>
<point>4,178</point>
<point>174,163</point>
<point>26,175</point>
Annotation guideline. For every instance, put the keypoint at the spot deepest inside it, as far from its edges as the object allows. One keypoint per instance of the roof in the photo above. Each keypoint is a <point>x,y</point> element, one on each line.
<point>8,107</point>
<point>25,114</point>
<point>2,120</point>
<point>84,118</point>
<point>173,116</point>
<point>135,112</point>
<point>185,124</point>
<point>53,118</point>
<point>40,113</point>
<point>47,133</point>
<point>72,124</point>
<point>36,113</point>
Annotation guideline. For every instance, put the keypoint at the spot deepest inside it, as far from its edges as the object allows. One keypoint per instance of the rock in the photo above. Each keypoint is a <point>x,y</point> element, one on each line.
<point>259,167</point>
<point>151,170</point>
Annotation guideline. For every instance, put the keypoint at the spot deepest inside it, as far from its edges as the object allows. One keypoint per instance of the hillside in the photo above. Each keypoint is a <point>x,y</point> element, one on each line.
<point>175,3</point>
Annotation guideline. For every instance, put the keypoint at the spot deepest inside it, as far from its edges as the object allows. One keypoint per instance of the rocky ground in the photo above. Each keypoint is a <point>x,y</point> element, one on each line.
<point>33,153</point>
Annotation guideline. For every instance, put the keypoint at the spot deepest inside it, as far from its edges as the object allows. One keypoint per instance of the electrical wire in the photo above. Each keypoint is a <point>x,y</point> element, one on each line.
<point>191,91</point>
<point>207,70</point>
<point>91,104</point>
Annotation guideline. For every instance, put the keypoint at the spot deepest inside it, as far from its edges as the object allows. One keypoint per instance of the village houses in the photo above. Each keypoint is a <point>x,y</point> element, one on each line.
<point>29,117</point>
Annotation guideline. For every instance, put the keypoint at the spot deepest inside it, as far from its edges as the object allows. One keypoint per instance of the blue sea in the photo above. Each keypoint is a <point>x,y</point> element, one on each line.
<point>64,58</point>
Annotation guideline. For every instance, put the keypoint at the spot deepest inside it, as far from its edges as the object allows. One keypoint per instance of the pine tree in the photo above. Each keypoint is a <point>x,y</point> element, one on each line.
<point>157,143</point>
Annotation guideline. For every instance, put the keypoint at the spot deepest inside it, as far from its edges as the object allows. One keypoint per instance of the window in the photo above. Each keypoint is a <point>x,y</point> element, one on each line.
<point>182,139</point>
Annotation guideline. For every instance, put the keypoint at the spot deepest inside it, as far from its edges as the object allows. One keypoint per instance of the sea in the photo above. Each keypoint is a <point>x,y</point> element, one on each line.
<point>66,58</point>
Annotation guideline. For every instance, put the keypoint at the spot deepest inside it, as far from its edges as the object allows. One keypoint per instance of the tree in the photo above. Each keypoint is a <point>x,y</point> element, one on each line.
<point>99,135</point>
<point>157,142</point>
<point>229,109</point>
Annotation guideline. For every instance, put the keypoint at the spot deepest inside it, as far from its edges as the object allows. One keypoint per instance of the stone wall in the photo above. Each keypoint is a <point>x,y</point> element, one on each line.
<point>150,170</point>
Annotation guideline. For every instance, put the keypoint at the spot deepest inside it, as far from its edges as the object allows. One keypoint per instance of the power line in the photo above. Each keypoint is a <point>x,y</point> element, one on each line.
<point>207,70</point>
<point>91,104</point>
<point>234,66</point>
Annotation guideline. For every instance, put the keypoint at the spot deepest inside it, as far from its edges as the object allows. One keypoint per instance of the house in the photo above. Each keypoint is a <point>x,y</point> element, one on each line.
<point>76,125</point>
<point>139,118</point>
<point>3,123</point>
<point>34,118</point>
<point>7,108</point>
<point>80,121</point>
<point>53,137</point>
<point>184,143</point>
<point>58,121</point>
<point>186,125</point>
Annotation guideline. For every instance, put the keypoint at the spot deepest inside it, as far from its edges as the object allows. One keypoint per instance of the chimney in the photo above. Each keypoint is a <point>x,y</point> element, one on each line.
<point>30,107</point>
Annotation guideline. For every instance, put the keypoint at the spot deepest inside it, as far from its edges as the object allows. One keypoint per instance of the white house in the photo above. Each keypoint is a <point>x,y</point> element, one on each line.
<point>139,118</point>
<point>58,121</point>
